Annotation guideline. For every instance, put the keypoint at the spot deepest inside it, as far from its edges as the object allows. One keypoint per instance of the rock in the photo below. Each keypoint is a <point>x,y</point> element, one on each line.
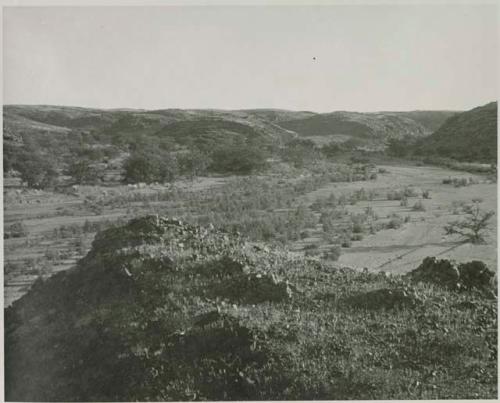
<point>471,275</point>
<point>475,274</point>
<point>442,272</point>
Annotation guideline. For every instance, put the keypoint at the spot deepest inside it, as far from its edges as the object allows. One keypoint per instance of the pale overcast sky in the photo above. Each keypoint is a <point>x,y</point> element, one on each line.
<point>363,58</point>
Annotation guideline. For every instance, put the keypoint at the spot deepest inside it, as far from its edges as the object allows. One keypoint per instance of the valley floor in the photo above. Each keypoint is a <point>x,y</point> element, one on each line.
<point>60,227</point>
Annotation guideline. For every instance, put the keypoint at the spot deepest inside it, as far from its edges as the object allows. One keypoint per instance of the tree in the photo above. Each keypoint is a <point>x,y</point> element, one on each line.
<point>300,152</point>
<point>139,168</point>
<point>240,159</point>
<point>474,226</point>
<point>150,166</point>
<point>399,147</point>
<point>38,172</point>
<point>83,172</point>
<point>195,162</point>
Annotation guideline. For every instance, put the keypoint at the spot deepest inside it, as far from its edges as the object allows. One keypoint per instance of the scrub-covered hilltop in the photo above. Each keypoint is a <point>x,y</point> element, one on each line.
<point>161,310</point>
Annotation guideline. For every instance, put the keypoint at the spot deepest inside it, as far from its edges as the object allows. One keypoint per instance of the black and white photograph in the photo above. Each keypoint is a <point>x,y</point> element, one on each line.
<point>249,201</point>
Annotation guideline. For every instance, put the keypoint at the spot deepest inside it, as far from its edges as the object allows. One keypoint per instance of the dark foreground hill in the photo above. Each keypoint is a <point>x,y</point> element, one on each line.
<point>160,310</point>
<point>467,136</point>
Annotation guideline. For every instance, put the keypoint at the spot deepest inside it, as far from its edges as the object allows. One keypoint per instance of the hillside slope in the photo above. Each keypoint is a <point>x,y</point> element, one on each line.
<point>378,126</point>
<point>160,310</point>
<point>467,136</point>
<point>71,134</point>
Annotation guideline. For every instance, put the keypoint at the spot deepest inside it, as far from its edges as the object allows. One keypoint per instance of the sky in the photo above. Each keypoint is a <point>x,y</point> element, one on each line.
<point>317,58</point>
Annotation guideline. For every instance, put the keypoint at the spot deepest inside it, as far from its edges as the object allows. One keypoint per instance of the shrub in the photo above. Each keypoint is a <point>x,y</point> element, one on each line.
<point>194,163</point>
<point>418,206</point>
<point>395,221</point>
<point>410,191</point>
<point>37,171</point>
<point>346,241</point>
<point>473,227</point>
<point>84,172</point>
<point>395,195</point>
<point>356,237</point>
<point>333,253</point>
<point>460,182</point>
<point>426,194</point>
<point>16,230</point>
<point>150,166</point>
<point>240,159</point>
<point>474,274</point>
<point>357,228</point>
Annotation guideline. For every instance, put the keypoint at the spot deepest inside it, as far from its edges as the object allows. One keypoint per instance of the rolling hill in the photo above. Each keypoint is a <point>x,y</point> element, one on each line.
<point>467,136</point>
<point>63,132</point>
<point>377,127</point>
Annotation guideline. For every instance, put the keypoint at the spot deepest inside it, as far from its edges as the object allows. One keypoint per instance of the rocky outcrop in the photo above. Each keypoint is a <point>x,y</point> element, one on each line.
<point>443,272</point>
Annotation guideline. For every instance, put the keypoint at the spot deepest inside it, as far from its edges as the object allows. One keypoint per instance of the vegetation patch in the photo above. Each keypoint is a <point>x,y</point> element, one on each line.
<point>163,310</point>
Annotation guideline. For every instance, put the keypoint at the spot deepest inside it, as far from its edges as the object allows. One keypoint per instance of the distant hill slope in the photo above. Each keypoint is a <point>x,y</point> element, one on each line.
<point>62,131</point>
<point>376,126</point>
<point>41,118</point>
<point>431,120</point>
<point>467,136</point>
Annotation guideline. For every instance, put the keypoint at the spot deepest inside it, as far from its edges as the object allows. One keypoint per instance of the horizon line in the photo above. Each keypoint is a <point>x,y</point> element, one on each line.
<point>128,108</point>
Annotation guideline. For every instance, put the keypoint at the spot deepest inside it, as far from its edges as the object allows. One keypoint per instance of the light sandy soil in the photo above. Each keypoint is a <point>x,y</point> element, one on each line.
<point>403,249</point>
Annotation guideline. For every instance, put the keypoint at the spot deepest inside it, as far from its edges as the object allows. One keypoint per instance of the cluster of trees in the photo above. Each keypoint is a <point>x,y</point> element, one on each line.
<point>35,168</point>
<point>157,165</point>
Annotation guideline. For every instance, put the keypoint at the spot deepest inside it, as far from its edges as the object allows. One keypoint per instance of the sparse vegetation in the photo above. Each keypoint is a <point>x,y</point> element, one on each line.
<point>226,311</point>
<point>418,206</point>
<point>473,227</point>
<point>250,319</point>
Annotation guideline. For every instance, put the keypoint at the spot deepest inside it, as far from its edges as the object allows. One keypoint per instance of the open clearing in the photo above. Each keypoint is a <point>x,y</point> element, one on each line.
<point>401,250</point>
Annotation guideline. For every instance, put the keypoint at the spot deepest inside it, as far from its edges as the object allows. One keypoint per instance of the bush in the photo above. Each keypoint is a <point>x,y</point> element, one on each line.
<point>37,171</point>
<point>84,172</point>
<point>473,227</point>
<point>150,166</point>
<point>346,241</point>
<point>460,182</point>
<point>426,194</point>
<point>333,253</point>
<point>443,272</point>
<point>395,222</point>
<point>240,159</point>
<point>194,163</point>
<point>418,206</point>
<point>395,195</point>
<point>357,237</point>
<point>16,230</point>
